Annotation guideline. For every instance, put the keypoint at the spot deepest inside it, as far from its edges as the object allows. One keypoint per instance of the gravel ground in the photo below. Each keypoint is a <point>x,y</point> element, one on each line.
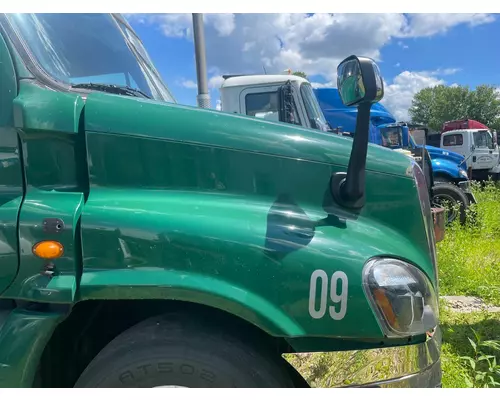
<point>468,304</point>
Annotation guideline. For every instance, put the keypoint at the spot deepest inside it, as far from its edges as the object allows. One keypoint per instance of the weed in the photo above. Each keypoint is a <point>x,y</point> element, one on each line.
<point>469,255</point>
<point>483,368</point>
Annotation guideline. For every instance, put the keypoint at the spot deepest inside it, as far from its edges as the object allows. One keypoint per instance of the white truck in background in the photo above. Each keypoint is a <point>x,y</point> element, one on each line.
<point>477,143</point>
<point>286,98</point>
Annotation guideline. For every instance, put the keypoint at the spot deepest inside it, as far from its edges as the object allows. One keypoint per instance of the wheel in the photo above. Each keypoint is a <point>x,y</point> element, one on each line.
<point>449,196</point>
<point>175,351</point>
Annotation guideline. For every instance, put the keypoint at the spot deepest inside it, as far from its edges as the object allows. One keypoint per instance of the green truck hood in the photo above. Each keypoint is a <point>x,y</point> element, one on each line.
<point>132,116</point>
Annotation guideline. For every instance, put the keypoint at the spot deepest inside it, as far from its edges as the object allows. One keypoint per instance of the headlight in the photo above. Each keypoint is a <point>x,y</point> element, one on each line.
<point>402,297</point>
<point>463,173</point>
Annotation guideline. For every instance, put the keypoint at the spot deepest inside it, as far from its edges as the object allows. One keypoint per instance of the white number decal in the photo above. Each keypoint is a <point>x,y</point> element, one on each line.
<point>335,296</point>
<point>338,298</point>
<point>316,314</point>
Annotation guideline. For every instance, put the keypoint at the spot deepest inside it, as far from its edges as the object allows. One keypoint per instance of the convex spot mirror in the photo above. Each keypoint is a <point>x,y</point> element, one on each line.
<point>359,81</point>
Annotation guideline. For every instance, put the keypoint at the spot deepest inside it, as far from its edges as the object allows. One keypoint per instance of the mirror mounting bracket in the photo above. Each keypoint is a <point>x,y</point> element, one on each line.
<point>348,188</point>
<point>337,187</point>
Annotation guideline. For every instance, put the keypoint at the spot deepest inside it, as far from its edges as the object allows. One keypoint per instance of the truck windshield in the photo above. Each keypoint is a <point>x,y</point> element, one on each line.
<point>391,136</point>
<point>79,49</point>
<point>483,139</point>
<point>313,110</point>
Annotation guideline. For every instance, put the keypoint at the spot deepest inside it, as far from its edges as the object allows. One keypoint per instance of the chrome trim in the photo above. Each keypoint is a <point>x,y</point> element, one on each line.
<point>465,186</point>
<point>428,378</point>
<point>410,366</point>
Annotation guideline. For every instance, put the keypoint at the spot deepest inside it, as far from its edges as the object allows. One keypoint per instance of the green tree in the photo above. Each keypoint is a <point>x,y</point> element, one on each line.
<point>436,105</point>
<point>301,74</point>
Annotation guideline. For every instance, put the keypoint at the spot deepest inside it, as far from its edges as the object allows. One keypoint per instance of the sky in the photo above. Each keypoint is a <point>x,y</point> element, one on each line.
<point>413,51</point>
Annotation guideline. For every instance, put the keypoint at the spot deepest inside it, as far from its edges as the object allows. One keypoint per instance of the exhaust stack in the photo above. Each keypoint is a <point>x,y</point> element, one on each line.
<point>203,97</point>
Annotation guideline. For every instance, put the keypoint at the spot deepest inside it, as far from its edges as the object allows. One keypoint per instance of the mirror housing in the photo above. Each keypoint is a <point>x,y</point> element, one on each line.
<point>286,102</point>
<point>359,83</point>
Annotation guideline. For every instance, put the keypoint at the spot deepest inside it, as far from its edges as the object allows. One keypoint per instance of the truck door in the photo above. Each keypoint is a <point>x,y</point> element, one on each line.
<point>484,155</point>
<point>54,171</point>
<point>11,177</point>
<point>457,141</point>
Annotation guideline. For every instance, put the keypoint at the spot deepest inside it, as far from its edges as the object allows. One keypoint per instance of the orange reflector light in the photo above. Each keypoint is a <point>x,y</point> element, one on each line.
<point>48,249</point>
<point>384,303</point>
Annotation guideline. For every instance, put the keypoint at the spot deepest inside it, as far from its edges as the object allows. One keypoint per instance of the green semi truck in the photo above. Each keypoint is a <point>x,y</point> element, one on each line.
<point>148,244</point>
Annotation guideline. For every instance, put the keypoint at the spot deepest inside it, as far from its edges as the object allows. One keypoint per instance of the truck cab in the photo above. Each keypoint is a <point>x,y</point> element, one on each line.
<point>150,244</point>
<point>479,149</point>
<point>286,98</point>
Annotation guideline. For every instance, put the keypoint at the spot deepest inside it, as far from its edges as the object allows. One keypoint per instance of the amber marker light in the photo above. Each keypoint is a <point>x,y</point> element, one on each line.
<point>48,249</point>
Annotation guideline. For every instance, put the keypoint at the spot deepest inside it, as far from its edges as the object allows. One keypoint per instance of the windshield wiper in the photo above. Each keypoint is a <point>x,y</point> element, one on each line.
<point>109,88</point>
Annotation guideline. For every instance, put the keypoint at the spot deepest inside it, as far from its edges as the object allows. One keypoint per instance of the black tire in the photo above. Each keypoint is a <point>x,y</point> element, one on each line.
<point>443,192</point>
<point>173,350</point>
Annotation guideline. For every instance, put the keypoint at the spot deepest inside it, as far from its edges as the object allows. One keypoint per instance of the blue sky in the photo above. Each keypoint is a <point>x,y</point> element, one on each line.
<point>413,50</point>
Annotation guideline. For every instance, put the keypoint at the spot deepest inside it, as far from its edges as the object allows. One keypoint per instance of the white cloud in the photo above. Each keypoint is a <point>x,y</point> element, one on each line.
<point>317,85</point>
<point>224,23</point>
<point>315,44</point>
<point>215,82</point>
<point>420,25</point>
<point>248,43</point>
<point>399,94</point>
<point>181,25</point>
<point>397,65</point>
<point>189,84</point>
<point>445,71</point>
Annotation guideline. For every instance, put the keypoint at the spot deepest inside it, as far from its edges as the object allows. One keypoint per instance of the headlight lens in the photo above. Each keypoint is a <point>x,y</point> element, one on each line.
<point>402,296</point>
<point>463,173</point>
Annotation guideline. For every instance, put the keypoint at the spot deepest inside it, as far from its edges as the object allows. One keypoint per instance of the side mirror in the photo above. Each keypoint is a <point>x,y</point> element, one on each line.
<point>286,103</point>
<point>359,83</point>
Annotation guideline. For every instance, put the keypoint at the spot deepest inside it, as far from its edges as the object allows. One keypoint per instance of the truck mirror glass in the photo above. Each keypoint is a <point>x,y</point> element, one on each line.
<point>359,81</point>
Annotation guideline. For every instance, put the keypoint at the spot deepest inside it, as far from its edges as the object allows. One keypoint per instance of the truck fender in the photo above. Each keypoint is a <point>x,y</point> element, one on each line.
<point>445,167</point>
<point>190,287</point>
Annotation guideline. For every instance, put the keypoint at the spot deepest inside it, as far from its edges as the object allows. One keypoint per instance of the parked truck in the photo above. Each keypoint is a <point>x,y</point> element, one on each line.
<point>477,143</point>
<point>279,98</point>
<point>150,244</point>
<point>448,188</point>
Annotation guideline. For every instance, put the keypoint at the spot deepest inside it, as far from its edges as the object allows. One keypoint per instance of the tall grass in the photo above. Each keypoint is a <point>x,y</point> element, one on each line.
<point>469,256</point>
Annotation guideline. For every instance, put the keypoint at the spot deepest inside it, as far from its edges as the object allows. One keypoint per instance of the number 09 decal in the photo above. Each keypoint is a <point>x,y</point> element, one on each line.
<point>326,288</point>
